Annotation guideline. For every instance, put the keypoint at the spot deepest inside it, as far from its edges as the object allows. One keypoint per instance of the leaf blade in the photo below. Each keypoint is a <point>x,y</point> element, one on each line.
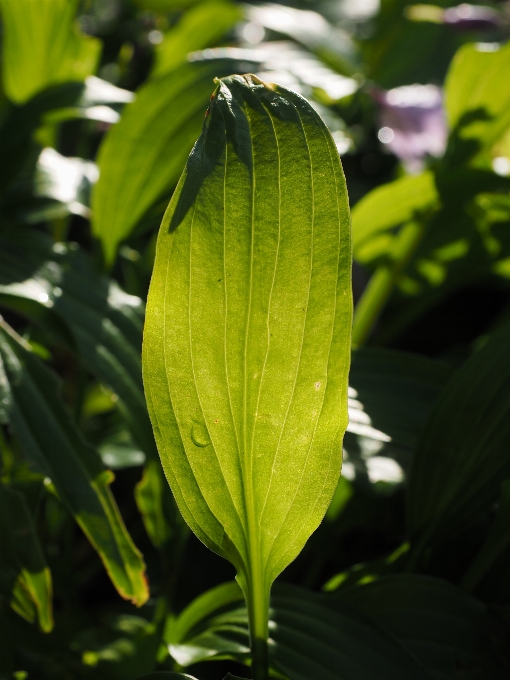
<point>233,364</point>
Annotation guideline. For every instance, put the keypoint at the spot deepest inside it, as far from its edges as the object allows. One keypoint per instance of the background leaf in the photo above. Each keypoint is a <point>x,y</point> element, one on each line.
<point>440,625</point>
<point>25,577</point>
<point>72,466</point>
<point>43,47</point>
<point>199,27</point>
<point>461,453</point>
<point>142,156</point>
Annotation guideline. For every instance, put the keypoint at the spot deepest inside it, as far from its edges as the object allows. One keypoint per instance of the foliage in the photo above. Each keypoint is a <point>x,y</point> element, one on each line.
<point>246,347</point>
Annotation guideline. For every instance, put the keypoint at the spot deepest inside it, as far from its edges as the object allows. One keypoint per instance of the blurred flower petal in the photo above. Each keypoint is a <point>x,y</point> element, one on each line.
<point>412,123</point>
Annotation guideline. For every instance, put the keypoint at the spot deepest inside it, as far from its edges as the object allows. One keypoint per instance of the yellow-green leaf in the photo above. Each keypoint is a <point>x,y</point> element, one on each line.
<point>247,336</point>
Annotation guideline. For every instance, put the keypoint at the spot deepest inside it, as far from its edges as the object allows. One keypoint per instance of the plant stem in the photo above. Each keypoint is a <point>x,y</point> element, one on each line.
<point>258,614</point>
<point>383,281</point>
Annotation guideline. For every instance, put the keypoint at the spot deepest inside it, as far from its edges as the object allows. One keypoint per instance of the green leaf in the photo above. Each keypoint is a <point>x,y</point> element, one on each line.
<point>311,29</point>
<point>317,637</point>
<point>478,92</point>
<point>391,395</point>
<point>55,448</point>
<point>201,26</point>
<point>141,157</point>
<point>311,636</point>
<point>41,46</point>
<point>497,541</point>
<point>92,100</point>
<point>247,336</point>
<point>38,277</point>
<point>167,675</point>
<point>154,502</point>
<point>24,573</point>
<point>440,625</point>
<point>387,207</point>
<point>461,454</point>
<point>200,609</point>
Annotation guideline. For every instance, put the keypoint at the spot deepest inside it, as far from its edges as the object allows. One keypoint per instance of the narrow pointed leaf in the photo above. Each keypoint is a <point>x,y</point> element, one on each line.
<point>31,406</point>
<point>247,337</point>
<point>22,561</point>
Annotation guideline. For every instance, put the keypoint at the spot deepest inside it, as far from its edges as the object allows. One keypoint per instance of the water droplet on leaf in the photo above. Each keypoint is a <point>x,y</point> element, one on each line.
<point>200,435</point>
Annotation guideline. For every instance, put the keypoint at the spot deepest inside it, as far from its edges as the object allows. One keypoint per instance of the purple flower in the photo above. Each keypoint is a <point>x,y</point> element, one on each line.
<point>412,123</point>
<point>471,17</point>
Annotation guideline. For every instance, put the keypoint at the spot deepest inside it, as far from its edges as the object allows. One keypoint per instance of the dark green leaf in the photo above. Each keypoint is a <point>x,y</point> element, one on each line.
<point>166,675</point>
<point>497,541</point>
<point>390,397</point>
<point>105,323</point>
<point>311,636</point>
<point>55,448</point>
<point>440,625</point>
<point>461,457</point>
<point>24,576</point>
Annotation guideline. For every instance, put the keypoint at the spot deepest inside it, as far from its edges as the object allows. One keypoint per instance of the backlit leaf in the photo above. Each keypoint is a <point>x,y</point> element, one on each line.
<point>478,92</point>
<point>387,207</point>
<point>247,337</point>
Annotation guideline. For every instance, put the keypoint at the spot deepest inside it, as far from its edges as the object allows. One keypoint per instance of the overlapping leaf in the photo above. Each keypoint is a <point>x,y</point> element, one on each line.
<point>378,214</point>
<point>311,636</point>
<point>246,346</point>
<point>440,625</point>
<point>31,404</point>
<point>39,277</point>
<point>143,155</point>
<point>478,92</point>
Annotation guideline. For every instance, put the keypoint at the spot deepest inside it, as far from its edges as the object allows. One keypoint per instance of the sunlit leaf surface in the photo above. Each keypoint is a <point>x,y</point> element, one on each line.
<point>246,348</point>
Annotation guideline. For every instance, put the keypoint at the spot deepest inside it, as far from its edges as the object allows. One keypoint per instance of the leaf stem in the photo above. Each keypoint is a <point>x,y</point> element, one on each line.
<point>258,614</point>
<point>383,281</point>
